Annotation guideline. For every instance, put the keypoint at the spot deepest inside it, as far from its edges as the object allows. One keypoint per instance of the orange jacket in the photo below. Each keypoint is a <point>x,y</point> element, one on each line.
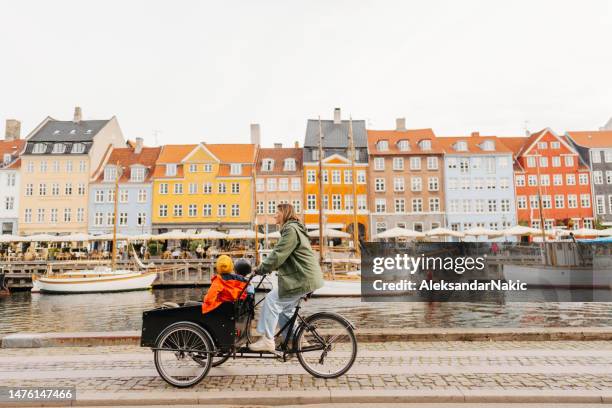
<point>222,290</point>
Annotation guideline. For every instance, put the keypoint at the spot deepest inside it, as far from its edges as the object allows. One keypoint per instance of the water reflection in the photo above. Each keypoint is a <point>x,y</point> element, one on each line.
<point>23,311</point>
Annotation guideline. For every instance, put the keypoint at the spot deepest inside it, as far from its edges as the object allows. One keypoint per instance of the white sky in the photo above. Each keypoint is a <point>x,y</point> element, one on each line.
<point>203,71</point>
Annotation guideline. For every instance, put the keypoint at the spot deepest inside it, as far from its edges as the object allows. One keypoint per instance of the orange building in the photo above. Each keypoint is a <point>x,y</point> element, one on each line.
<point>337,175</point>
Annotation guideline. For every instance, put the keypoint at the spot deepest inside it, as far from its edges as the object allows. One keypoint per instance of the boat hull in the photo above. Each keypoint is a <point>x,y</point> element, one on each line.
<point>112,283</point>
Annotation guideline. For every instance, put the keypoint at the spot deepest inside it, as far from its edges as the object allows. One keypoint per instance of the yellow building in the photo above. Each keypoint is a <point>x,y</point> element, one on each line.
<point>203,186</point>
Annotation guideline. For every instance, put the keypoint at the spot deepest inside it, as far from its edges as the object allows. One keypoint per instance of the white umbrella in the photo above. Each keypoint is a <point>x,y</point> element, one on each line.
<point>11,238</point>
<point>209,234</point>
<point>171,235</point>
<point>479,231</point>
<point>78,237</point>
<point>108,237</point>
<point>140,237</point>
<point>583,232</point>
<point>520,230</point>
<point>41,238</point>
<point>241,234</point>
<point>329,233</point>
<point>398,232</point>
<point>441,232</point>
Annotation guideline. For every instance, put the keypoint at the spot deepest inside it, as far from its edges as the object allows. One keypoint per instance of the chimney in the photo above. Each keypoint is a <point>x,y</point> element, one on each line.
<point>400,124</point>
<point>337,119</point>
<point>296,144</point>
<point>12,129</point>
<point>475,134</point>
<point>138,146</point>
<point>77,114</point>
<point>255,134</point>
<point>278,145</point>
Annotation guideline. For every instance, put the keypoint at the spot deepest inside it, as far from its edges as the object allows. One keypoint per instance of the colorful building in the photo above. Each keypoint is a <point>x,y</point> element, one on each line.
<point>204,186</point>
<point>595,149</point>
<point>134,166</point>
<point>405,179</point>
<point>549,170</point>
<point>478,187</point>
<point>58,162</point>
<point>10,150</point>
<point>337,175</point>
<point>278,176</point>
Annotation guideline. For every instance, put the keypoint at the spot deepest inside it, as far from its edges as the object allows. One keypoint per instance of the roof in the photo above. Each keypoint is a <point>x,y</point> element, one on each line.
<point>14,148</point>
<point>233,152</point>
<point>394,136</point>
<point>279,155</point>
<point>127,157</point>
<point>592,138</point>
<point>514,143</point>
<point>473,142</point>
<point>174,153</point>
<point>335,134</point>
<point>67,132</point>
<point>531,140</point>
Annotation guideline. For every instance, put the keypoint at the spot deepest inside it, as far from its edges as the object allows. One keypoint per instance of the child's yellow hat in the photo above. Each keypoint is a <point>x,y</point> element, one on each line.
<point>224,264</point>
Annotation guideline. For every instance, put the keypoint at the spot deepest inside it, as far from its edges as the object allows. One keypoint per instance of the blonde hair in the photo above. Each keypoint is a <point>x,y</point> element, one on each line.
<point>288,212</point>
<point>224,264</point>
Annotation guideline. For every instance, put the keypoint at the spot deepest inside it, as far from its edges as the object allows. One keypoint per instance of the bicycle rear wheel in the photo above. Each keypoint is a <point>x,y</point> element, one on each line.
<point>326,345</point>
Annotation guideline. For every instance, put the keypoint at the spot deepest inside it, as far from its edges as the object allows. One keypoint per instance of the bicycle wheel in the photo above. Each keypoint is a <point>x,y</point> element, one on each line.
<point>183,354</point>
<point>326,345</point>
<point>220,358</point>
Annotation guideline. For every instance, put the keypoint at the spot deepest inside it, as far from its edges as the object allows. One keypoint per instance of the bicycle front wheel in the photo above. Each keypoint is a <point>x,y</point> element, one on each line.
<point>326,345</point>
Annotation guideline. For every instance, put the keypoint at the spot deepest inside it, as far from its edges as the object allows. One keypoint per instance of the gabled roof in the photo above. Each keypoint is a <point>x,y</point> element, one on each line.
<point>279,155</point>
<point>127,157</point>
<point>68,131</point>
<point>14,148</point>
<point>592,138</point>
<point>473,145</point>
<point>233,152</point>
<point>514,143</point>
<point>174,153</point>
<point>335,135</point>
<point>413,136</point>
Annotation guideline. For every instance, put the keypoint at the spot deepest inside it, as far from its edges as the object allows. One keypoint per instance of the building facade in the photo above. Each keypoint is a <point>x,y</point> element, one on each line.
<point>478,177</point>
<point>59,159</point>
<point>278,179</point>
<point>10,150</point>
<point>134,166</point>
<point>595,149</point>
<point>337,175</point>
<point>405,176</point>
<point>204,186</point>
<point>549,170</point>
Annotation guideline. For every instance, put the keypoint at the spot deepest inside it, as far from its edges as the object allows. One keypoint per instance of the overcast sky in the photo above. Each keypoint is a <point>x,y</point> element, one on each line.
<point>193,71</point>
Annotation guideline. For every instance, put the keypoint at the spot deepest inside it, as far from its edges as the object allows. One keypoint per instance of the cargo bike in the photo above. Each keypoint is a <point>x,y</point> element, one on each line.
<point>187,343</point>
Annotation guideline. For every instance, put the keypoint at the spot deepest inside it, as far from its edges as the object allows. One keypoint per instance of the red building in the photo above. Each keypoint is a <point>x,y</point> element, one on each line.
<point>548,170</point>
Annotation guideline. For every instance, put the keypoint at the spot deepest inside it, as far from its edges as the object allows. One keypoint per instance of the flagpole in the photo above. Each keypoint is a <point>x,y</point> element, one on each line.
<point>353,179</point>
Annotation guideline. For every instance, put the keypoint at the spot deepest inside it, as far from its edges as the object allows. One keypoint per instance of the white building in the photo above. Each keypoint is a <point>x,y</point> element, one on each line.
<point>10,150</point>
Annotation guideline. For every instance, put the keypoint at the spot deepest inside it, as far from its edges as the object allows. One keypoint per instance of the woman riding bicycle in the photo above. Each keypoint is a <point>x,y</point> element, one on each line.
<point>298,274</point>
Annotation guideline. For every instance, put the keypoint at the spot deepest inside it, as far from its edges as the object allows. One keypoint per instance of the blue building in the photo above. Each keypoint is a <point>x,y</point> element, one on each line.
<point>479,187</point>
<point>134,166</point>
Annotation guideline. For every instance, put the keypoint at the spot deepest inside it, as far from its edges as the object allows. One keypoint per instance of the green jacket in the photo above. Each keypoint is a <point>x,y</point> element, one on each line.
<point>298,270</point>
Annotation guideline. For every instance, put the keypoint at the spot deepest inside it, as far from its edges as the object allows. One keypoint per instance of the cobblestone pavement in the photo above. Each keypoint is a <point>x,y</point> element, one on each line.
<point>504,366</point>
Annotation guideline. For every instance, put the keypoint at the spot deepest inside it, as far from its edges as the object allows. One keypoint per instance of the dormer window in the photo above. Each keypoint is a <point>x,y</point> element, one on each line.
<point>56,132</point>
<point>267,165</point>
<point>7,158</point>
<point>88,132</point>
<point>59,148</point>
<point>39,148</point>
<point>110,173</point>
<point>171,169</point>
<point>289,165</point>
<point>403,145</point>
<point>236,169</point>
<point>461,146</point>
<point>488,145</point>
<point>382,145</point>
<point>425,144</point>
<point>137,174</point>
<point>78,148</point>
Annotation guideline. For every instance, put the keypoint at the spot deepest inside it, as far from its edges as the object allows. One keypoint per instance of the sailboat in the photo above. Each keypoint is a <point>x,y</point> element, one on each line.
<point>100,278</point>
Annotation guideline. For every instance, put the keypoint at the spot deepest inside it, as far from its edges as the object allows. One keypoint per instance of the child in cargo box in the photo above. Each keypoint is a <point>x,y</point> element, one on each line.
<point>225,286</point>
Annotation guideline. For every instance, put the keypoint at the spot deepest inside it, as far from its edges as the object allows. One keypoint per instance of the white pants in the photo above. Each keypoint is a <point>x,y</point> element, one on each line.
<point>276,311</point>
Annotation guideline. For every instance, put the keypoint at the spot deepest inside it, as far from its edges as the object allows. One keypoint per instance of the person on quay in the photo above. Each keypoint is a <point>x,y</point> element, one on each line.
<point>299,273</point>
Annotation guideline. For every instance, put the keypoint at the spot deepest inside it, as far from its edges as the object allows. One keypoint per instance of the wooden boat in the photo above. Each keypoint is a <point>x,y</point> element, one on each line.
<point>102,279</point>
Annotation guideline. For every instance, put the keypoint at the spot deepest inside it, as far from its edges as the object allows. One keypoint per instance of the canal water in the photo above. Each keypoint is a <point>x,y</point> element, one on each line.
<point>23,311</point>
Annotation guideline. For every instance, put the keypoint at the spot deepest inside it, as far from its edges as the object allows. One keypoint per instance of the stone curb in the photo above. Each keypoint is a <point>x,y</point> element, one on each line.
<point>92,339</point>
<point>258,398</point>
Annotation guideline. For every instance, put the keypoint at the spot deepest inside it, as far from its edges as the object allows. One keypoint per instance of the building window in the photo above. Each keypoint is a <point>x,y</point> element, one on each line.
<point>297,206</point>
<point>379,185</point>
<point>110,173</point>
<point>588,223</point>
<point>311,202</point>
<point>598,177</point>
<point>464,166</point>
<point>504,205</point>
<point>27,215</point>
<point>123,218</point>
<point>544,180</point>
<point>271,184</point>
<point>398,184</point>
<point>559,201</point>
<point>137,174</point>
<point>29,189</point>
<point>434,204</point>
<point>600,204</point>
<point>141,219</point>
<point>221,210</point>
<point>192,210</point>
<point>521,202</point>
<point>531,161</point>
<point>315,154</point>
<point>417,205</point>
<point>98,219</point>
<point>30,167</point>
<point>425,144</point>
<point>520,181</point>
<point>546,202</point>
<point>163,188</point>
<point>123,196</point>
<point>69,166</point>
<point>40,215</point>
<point>381,205</point>
<point>9,203</point>
<point>55,166</point>
<point>398,163</point>
<point>432,163</point>
<point>433,183</point>
<point>416,184</point>
<point>362,202</point>
<point>415,163</point>
<point>325,202</point>
<point>193,168</point>
<point>207,187</point>
<point>271,207</point>
<point>361,177</point>
<point>235,210</point>
<point>296,184</point>
<point>55,189</point>
<point>236,169</point>
<point>178,210</point>
<point>492,205</point>
<point>311,176</point>
<point>171,169</point>
<point>267,165</point>
<point>382,145</point>
<point>348,202</point>
<point>570,179</point>
<point>379,163</point>
<point>608,176</point>
<point>610,203</point>
<point>451,162</point>
<point>569,161</point>
<point>400,205</point>
<point>502,162</point>
<point>235,188</point>
<point>556,161</point>
<point>336,202</point>
<point>68,189</point>
<point>585,200</point>
<point>336,177</point>
<point>289,165</point>
<point>572,201</point>
<point>82,166</point>
<point>142,196</point>
<point>42,189</point>
<point>504,183</point>
<point>78,148</point>
<point>583,179</point>
<point>207,210</point>
<point>403,145</point>
<point>163,210</point>
<point>259,207</point>
<point>557,179</point>
<point>532,180</point>
<point>99,196</point>
<point>208,168</point>
<point>381,227</point>
<point>67,215</point>
<point>178,188</point>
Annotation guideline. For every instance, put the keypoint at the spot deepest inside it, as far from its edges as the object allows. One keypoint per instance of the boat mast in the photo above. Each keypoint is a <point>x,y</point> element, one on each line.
<point>353,179</point>
<point>114,250</point>
<point>320,193</point>
<point>255,211</point>
<point>538,182</point>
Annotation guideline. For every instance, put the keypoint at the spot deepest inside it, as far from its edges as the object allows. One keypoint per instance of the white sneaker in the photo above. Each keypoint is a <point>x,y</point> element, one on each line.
<point>263,344</point>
